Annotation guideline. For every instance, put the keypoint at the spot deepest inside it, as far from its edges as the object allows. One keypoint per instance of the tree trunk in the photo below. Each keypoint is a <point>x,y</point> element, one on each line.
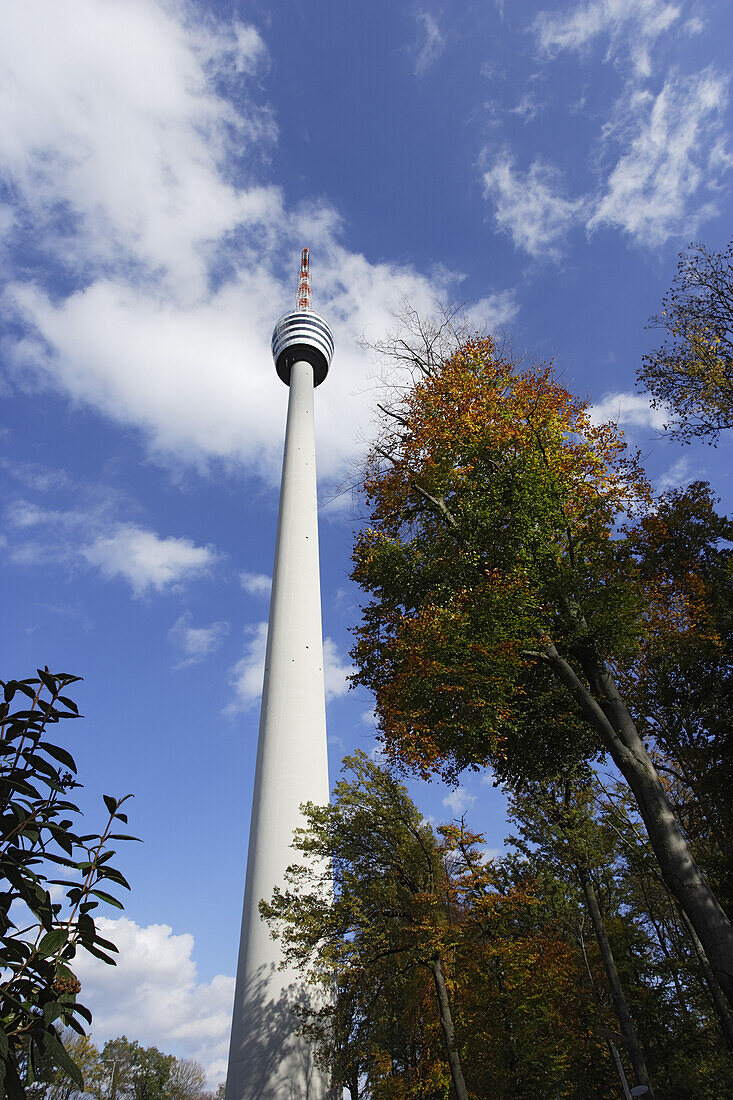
<point>721,1008</point>
<point>619,1068</point>
<point>449,1034</point>
<point>614,982</point>
<point>604,708</point>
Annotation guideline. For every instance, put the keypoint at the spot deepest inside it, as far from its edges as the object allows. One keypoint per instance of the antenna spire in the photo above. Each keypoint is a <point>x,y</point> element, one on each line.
<point>304,284</point>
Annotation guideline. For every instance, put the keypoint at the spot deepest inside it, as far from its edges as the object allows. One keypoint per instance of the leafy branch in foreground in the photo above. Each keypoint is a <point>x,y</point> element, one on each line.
<point>44,920</point>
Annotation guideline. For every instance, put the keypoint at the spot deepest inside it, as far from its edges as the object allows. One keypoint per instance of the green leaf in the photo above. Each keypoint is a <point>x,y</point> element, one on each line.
<point>110,802</point>
<point>51,1011</point>
<point>99,954</point>
<point>61,1058</point>
<point>47,680</point>
<point>108,898</point>
<point>59,754</point>
<point>53,940</point>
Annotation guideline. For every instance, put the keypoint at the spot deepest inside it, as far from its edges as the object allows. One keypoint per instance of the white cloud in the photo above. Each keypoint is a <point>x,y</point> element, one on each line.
<point>459,800</point>
<point>146,560</point>
<point>531,208</point>
<point>677,153</point>
<point>628,409</point>
<point>35,476</point>
<point>336,671</point>
<point>669,156</point>
<point>110,118</point>
<point>257,584</point>
<point>631,26</point>
<point>153,994</point>
<point>433,43</point>
<point>177,271</point>
<point>248,672</point>
<point>196,642</point>
<point>93,534</point>
<point>677,476</point>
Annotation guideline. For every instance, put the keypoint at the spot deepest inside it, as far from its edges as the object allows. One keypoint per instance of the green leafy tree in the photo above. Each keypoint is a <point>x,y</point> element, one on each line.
<point>505,595</point>
<point>390,927</point>
<point>39,837</point>
<point>691,374</point>
<point>134,1071</point>
<point>669,978</point>
<point>558,819</point>
<point>681,686</point>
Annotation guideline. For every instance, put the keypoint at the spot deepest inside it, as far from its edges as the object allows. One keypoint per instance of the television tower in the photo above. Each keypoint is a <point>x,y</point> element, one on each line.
<point>268,1060</point>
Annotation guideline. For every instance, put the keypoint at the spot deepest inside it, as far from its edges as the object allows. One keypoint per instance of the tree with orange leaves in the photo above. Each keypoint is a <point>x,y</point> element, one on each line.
<point>505,593</point>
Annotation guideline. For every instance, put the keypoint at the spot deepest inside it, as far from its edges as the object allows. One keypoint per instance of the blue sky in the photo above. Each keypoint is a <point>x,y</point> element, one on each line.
<point>162,164</point>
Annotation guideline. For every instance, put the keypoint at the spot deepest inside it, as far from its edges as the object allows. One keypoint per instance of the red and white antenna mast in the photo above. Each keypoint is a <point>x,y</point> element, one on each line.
<point>304,284</point>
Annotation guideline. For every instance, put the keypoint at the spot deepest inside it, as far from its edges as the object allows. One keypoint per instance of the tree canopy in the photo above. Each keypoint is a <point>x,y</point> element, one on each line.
<point>691,374</point>
<point>508,598</point>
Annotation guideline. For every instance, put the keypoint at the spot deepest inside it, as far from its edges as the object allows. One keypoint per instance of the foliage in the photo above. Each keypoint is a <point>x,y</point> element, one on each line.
<point>681,686</point>
<point>123,1068</point>
<point>54,1083</point>
<point>691,374</point>
<point>508,595</point>
<point>493,501</point>
<point>404,895</point>
<point>187,1080</point>
<point>378,942</point>
<point>137,1072</point>
<point>40,936</point>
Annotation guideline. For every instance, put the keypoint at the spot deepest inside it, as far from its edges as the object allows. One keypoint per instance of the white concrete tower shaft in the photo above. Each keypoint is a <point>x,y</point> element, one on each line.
<point>267,1059</point>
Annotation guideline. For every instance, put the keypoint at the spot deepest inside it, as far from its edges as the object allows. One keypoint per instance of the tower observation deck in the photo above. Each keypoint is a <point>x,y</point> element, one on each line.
<point>268,1060</point>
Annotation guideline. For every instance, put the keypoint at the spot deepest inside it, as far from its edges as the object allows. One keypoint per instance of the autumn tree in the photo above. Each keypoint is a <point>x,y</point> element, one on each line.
<point>680,997</point>
<point>186,1081</point>
<point>691,374</point>
<point>505,594</point>
<point>557,819</point>
<point>520,979</point>
<point>390,928</point>
<point>42,846</point>
<point>680,687</point>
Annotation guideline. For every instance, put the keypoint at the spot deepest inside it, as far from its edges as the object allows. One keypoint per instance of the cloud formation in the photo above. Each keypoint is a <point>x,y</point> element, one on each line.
<point>459,800</point>
<point>256,584</point>
<point>531,207</point>
<point>147,561</point>
<point>153,993</point>
<point>661,156</point>
<point>433,43</point>
<point>655,189</point>
<point>194,643</point>
<point>628,410</point>
<point>95,536</point>
<point>150,203</point>
<point>631,26</point>
<point>669,154</point>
